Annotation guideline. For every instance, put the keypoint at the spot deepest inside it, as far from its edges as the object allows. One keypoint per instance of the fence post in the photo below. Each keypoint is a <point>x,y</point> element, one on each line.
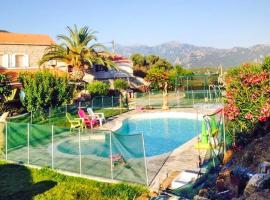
<point>120,99</point>
<point>52,147</point>
<point>80,151</point>
<point>135,100</point>
<point>28,143</point>
<point>192,94</point>
<point>224,133</point>
<point>80,104</point>
<point>111,155</point>
<point>149,99</point>
<point>6,140</point>
<point>112,101</point>
<point>145,161</point>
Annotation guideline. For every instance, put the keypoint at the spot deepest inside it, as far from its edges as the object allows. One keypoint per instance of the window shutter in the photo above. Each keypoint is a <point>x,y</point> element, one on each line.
<point>13,61</point>
<point>26,61</point>
<point>5,60</point>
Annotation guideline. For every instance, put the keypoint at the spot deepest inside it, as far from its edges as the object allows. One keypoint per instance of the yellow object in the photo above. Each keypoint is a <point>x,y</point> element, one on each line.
<point>200,145</point>
<point>11,96</point>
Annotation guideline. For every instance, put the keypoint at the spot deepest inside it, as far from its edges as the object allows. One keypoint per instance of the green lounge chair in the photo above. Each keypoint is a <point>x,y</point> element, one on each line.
<point>74,122</point>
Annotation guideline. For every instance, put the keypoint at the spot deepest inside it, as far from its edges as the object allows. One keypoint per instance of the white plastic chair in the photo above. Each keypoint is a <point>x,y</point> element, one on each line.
<point>99,116</point>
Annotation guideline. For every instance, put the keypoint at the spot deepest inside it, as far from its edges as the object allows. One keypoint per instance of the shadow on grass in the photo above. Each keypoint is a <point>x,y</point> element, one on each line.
<point>16,183</point>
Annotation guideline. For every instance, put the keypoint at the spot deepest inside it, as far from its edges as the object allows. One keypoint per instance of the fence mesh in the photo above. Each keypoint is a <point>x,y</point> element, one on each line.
<point>128,158</point>
<point>91,152</point>
<point>177,99</point>
<point>57,115</point>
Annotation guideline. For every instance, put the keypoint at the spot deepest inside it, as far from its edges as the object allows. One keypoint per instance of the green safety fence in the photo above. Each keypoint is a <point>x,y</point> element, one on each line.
<point>90,152</point>
<point>57,115</point>
<point>176,99</point>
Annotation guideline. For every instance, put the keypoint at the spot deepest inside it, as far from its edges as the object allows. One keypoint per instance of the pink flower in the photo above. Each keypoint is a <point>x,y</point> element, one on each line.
<point>249,116</point>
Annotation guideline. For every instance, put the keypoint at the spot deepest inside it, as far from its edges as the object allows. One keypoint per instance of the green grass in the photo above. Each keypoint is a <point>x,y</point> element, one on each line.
<point>60,120</point>
<point>20,182</point>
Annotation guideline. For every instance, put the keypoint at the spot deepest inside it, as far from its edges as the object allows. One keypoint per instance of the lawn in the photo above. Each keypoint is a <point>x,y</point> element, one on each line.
<point>20,182</point>
<point>59,119</point>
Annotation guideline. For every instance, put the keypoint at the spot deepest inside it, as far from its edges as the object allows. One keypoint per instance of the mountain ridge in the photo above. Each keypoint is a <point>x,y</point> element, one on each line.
<point>191,56</point>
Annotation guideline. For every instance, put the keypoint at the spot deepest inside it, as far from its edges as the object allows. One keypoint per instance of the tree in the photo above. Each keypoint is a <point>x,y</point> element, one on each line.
<point>79,50</point>
<point>176,72</point>
<point>158,77</point>
<point>98,88</point>
<point>138,60</point>
<point>120,85</point>
<point>151,59</point>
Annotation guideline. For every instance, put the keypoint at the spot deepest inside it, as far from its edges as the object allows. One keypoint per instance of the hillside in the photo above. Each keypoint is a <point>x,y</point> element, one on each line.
<point>195,56</point>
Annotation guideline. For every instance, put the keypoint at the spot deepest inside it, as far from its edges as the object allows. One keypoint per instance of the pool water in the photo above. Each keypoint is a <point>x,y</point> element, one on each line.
<point>162,134</point>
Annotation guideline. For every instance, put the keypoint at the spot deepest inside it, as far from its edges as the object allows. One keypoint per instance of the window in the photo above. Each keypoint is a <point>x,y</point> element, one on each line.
<point>1,60</point>
<point>19,61</point>
<point>99,68</point>
<point>4,61</point>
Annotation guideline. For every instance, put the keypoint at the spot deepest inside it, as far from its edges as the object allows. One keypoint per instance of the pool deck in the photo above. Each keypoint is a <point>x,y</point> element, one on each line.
<point>185,157</point>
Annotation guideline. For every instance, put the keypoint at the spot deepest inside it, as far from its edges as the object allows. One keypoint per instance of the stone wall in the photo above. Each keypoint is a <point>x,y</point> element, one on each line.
<point>33,51</point>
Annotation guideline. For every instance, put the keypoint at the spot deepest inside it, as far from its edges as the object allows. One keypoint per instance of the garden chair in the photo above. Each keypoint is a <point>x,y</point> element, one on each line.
<point>87,121</point>
<point>99,116</point>
<point>74,122</point>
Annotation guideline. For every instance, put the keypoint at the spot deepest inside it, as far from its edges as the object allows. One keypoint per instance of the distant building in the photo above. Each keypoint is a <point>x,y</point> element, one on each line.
<point>124,65</point>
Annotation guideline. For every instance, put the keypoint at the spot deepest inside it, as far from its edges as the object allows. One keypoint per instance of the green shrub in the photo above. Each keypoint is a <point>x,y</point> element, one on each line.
<point>120,84</point>
<point>5,89</point>
<point>98,88</point>
<point>44,89</point>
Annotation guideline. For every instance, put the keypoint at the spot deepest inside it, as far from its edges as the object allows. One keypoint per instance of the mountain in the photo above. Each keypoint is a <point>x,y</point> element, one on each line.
<point>195,56</point>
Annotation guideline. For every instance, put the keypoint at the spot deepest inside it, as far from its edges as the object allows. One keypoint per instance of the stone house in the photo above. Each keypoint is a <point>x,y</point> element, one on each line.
<point>20,51</point>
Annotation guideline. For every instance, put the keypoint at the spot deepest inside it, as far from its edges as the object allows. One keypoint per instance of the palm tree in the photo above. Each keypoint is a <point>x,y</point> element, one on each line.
<point>79,50</point>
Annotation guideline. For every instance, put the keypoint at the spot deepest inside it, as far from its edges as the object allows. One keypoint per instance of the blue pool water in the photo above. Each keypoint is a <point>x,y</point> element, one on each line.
<point>161,135</point>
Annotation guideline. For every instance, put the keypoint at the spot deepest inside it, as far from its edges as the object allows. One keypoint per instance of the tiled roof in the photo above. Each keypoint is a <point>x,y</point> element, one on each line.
<point>30,39</point>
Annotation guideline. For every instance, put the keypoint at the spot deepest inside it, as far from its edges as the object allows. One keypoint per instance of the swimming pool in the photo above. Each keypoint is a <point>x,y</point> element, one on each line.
<point>163,132</point>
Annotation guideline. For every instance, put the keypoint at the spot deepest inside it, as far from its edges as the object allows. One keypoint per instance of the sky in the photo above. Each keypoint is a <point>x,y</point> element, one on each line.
<point>215,23</point>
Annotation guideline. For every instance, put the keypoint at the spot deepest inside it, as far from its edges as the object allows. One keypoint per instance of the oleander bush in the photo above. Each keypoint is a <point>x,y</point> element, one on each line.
<point>248,96</point>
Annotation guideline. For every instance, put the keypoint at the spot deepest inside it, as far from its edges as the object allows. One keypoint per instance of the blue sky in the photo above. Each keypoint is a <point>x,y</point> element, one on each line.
<point>216,23</point>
